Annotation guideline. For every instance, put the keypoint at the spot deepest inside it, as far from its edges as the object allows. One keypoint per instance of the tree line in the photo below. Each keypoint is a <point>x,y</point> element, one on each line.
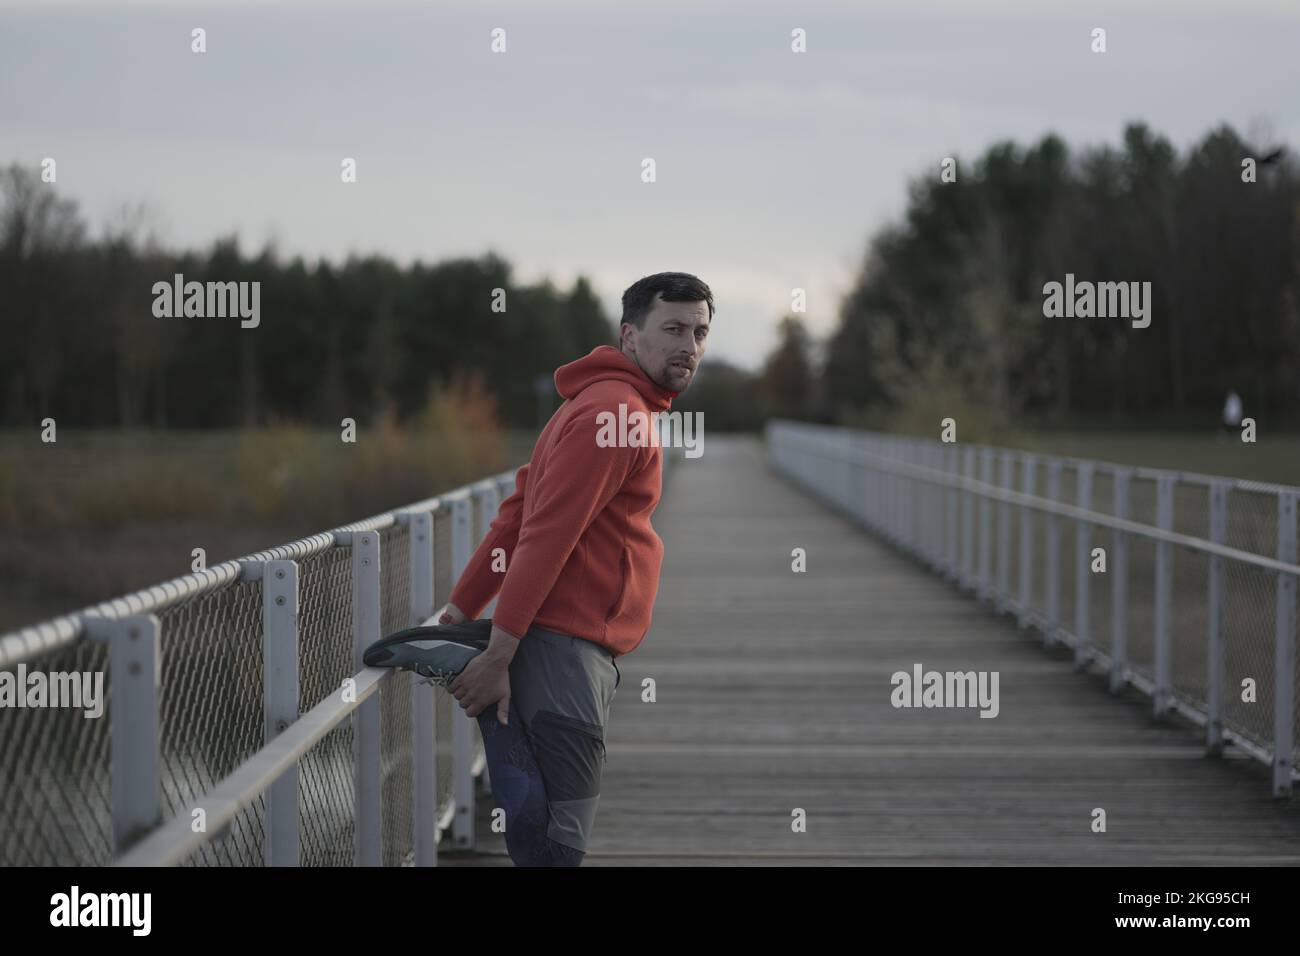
<point>945,317</point>
<point>357,339</point>
<point>946,313</point>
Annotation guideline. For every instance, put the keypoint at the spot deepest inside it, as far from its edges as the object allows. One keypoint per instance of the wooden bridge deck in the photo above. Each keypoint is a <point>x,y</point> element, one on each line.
<point>773,693</point>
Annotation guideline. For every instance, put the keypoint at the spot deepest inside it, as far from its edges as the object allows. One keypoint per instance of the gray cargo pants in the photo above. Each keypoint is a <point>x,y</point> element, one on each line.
<point>545,764</point>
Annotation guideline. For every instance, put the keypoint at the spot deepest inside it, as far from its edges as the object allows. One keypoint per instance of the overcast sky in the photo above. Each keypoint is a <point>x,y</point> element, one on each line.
<point>774,168</point>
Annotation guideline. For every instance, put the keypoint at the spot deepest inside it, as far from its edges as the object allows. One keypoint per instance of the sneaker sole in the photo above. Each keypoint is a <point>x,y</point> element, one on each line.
<point>444,647</point>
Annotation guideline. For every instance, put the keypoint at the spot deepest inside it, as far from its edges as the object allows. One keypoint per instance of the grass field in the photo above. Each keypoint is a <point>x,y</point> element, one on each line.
<point>98,515</point>
<point>1273,459</point>
<point>108,513</point>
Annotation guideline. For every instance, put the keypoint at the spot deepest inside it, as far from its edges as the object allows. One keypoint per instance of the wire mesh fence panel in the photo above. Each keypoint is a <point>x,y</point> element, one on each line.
<point>1250,609</point>
<point>1069,533</point>
<point>1100,593</point>
<point>1249,625</point>
<point>55,784</point>
<point>1142,606</point>
<point>476,520</point>
<point>327,801</point>
<point>1189,595</point>
<point>1040,544</point>
<point>1142,579</point>
<point>210,710</point>
<point>326,658</point>
<point>1252,520</point>
<point>1190,626</point>
<point>396,770</point>
<point>442,580</point>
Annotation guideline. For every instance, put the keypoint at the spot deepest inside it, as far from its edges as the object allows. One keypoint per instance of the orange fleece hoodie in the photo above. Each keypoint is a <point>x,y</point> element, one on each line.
<point>581,555</point>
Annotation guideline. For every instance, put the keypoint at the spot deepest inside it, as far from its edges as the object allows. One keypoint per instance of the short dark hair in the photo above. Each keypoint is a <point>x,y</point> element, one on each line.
<point>639,298</point>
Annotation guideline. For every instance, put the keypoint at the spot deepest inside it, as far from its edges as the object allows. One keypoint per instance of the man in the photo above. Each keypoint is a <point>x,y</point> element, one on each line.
<point>581,572</point>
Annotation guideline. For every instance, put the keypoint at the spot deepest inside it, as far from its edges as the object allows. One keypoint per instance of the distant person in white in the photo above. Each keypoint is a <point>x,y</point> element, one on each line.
<point>1232,412</point>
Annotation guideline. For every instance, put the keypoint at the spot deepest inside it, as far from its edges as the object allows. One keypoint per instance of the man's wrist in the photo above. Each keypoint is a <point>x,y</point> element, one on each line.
<point>501,646</point>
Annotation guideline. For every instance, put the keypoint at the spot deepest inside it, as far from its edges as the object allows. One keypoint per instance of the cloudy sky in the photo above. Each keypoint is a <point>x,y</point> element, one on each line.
<point>774,168</point>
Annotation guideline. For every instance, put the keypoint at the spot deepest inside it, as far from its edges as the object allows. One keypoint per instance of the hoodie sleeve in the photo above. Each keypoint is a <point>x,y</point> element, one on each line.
<point>580,479</point>
<point>478,582</point>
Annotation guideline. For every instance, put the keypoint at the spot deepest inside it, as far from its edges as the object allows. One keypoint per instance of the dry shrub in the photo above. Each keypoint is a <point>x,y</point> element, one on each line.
<point>460,434</point>
<point>283,473</point>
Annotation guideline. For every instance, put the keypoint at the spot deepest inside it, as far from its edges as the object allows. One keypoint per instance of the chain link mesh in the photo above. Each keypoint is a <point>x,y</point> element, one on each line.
<point>55,770</point>
<point>210,710</point>
<point>55,787</point>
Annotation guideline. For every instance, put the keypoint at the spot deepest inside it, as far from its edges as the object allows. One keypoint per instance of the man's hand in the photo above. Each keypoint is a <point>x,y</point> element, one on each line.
<point>452,615</point>
<point>486,679</point>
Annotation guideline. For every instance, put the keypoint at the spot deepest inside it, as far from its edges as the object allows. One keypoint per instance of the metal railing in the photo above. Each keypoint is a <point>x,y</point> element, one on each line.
<point>241,727</point>
<point>1190,597</point>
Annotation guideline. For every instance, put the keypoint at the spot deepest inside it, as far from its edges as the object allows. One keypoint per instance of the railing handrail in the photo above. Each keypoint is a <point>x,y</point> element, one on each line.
<point>1138,471</point>
<point>934,476</point>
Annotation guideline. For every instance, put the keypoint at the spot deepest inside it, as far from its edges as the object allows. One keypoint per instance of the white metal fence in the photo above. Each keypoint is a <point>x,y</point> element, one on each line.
<point>226,704</point>
<point>1199,591</point>
<point>228,737</point>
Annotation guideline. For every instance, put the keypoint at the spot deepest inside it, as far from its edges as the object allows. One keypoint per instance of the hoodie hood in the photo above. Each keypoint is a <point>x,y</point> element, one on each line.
<point>606,362</point>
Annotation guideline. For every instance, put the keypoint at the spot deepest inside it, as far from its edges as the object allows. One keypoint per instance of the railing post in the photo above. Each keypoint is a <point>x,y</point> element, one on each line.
<point>952,541</point>
<point>1027,464</point>
<point>916,491</point>
<point>1161,698</point>
<point>280,703</point>
<point>134,662</point>
<point>967,580</point>
<point>1083,571</point>
<point>1119,586</point>
<point>937,499</point>
<point>1216,647</point>
<point>366,630</point>
<point>462,547</point>
<point>853,471</point>
<point>899,504</point>
<point>874,487</point>
<point>887,484</point>
<point>1284,650</point>
<point>983,587</point>
<point>489,501</point>
<point>1004,537</point>
<point>506,486</point>
<point>1053,555</point>
<point>424,736</point>
<point>915,500</point>
<point>867,482</point>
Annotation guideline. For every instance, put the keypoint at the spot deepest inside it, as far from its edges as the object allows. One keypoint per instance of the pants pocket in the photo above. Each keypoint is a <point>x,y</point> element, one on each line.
<point>570,753</point>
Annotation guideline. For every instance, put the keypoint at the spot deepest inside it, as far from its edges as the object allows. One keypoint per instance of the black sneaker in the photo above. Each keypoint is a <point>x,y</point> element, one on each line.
<point>437,652</point>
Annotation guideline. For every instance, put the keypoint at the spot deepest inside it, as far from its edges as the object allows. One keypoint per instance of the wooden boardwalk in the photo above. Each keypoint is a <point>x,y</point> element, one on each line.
<point>773,693</point>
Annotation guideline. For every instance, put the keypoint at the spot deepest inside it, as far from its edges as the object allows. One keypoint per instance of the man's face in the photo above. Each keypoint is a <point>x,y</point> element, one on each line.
<point>670,347</point>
